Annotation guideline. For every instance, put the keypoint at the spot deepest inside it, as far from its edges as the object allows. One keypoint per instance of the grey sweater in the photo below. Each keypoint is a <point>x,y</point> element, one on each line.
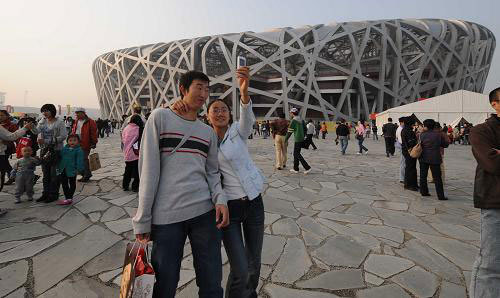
<point>52,133</point>
<point>180,186</point>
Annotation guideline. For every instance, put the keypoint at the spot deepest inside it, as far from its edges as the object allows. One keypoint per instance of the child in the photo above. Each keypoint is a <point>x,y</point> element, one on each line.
<point>24,171</point>
<point>70,165</point>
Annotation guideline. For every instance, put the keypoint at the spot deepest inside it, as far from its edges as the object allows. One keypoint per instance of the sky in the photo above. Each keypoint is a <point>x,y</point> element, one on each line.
<point>47,47</point>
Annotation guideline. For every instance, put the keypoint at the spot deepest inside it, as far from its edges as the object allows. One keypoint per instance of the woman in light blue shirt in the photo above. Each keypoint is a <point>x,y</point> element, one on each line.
<point>243,184</point>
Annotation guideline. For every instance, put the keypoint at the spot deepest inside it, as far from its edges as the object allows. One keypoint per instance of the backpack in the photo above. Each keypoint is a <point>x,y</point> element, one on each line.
<point>23,142</point>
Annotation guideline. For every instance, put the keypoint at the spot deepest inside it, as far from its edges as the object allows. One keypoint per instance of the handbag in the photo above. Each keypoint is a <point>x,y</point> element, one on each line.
<point>138,276</point>
<point>94,161</point>
<point>416,150</point>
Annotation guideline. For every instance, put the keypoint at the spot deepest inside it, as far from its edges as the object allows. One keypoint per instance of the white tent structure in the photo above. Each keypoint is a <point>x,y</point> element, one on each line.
<point>449,108</point>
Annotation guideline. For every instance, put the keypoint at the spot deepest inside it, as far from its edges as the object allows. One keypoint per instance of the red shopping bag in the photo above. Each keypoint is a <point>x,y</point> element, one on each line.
<point>138,276</point>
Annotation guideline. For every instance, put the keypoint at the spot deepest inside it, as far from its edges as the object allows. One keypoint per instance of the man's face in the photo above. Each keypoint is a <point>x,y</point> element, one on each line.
<point>197,94</point>
<point>496,106</point>
<point>80,115</point>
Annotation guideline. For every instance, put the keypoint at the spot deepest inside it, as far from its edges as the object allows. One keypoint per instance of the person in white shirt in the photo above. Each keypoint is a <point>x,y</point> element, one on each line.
<point>399,141</point>
<point>311,130</point>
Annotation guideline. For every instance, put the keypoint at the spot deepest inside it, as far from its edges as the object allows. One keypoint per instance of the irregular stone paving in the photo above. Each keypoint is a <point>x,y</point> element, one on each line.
<point>347,229</point>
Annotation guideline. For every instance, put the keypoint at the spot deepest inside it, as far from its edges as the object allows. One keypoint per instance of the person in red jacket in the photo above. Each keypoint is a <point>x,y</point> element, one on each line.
<point>86,129</point>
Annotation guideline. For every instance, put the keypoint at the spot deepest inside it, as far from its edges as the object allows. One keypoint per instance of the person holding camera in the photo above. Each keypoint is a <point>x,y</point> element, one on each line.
<point>52,133</point>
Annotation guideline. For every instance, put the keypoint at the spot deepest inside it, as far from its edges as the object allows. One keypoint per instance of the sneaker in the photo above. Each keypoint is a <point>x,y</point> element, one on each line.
<point>42,198</point>
<point>307,171</point>
<point>279,168</point>
<point>358,153</point>
<point>294,171</point>
<point>366,152</point>
<point>17,201</point>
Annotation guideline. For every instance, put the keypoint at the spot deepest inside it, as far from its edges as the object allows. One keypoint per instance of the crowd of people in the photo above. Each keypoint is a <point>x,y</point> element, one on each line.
<point>197,180</point>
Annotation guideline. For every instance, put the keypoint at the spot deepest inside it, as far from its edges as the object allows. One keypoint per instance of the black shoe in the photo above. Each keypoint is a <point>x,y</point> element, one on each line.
<point>426,195</point>
<point>10,181</point>
<point>125,188</point>
<point>135,189</point>
<point>84,179</point>
<point>387,154</point>
<point>50,200</point>
<point>43,198</point>
<point>443,199</point>
<point>284,166</point>
<point>411,188</point>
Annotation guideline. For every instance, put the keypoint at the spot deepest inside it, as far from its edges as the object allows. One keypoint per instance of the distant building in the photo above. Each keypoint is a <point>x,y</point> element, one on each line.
<point>2,99</point>
<point>340,70</point>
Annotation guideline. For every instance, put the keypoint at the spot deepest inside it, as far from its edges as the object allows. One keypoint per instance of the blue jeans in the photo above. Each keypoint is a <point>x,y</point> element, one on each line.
<point>361,147</point>
<point>244,250</point>
<point>343,144</point>
<point>168,249</point>
<point>485,277</point>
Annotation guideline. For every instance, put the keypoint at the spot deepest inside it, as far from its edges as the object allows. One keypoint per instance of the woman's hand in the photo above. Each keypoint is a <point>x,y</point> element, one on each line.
<point>243,76</point>
<point>180,106</point>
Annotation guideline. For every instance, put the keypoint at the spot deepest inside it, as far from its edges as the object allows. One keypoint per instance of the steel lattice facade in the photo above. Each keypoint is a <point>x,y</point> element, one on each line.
<point>339,70</point>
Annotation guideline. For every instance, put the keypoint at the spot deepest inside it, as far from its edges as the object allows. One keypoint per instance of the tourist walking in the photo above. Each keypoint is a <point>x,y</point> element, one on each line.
<point>360,136</point>
<point>409,140</point>
<point>279,128</point>
<point>318,129</point>
<point>399,145</point>
<point>389,133</point>
<point>24,173</point>
<point>10,146</point>
<point>8,136</point>
<point>485,141</point>
<point>342,132</point>
<point>179,187</point>
<point>87,131</point>
<point>70,164</point>
<point>309,136</point>
<point>131,139</point>
<point>431,141</point>
<point>324,130</point>
<point>243,183</point>
<point>297,129</point>
<point>52,133</point>
<point>375,132</point>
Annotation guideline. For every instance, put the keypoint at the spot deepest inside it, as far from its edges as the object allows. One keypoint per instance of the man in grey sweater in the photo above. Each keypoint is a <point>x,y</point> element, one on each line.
<point>179,186</point>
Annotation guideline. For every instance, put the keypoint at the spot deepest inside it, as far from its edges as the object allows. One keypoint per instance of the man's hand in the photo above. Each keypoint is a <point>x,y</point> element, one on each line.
<point>221,216</point>
<point>243,76</point>
<point>142,238</point>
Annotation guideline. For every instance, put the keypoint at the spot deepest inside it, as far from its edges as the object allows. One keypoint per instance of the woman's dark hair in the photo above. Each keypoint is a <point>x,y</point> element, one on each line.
<point>5,112</point>
<point>136,119</point>
<point>228,108</point>
<point>49,108</point>
<point>73,136</point>
<point>430,124</point>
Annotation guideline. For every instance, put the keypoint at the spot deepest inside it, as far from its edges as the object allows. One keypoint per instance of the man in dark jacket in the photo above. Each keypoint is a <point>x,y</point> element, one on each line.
<point>485,141</point>
<point>432,141</point>
<point>409,139</point>
<point>389,132</point>
<point>342,132</point>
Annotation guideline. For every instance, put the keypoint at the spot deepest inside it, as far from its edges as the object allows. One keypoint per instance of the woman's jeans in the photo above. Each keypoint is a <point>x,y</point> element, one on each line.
<point>361,147</point>
<point>50,181</point>
<point>485,277</point>
<point>168,249</point>
<point>244,249</point>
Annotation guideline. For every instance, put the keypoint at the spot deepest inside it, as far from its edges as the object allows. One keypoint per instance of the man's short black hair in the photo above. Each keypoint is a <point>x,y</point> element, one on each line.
<point>430,124</point>
<point>187,79</point>
<point>495,95</point>
<point>49,108</point>
<point>402,119</point>
<point>390,119</point>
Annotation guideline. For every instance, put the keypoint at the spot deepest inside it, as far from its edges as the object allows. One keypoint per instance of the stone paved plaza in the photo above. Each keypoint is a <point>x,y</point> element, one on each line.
<point>347,229</point>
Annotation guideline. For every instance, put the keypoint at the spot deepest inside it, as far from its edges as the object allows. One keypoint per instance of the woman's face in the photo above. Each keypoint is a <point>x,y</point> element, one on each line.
<point>218,114</point>
<point>47,114</point>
